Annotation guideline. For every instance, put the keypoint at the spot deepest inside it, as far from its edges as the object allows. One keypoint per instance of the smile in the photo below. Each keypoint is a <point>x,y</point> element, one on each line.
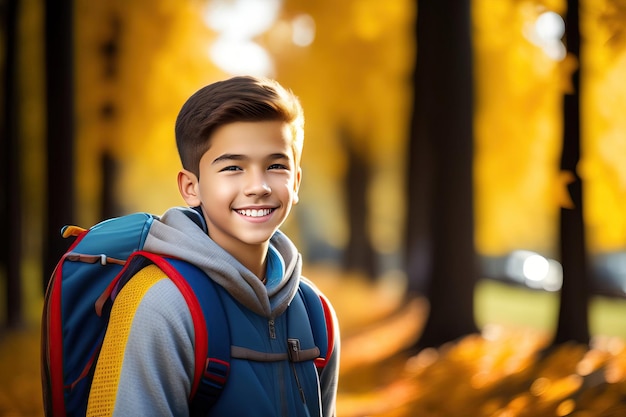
<point>255,212</point>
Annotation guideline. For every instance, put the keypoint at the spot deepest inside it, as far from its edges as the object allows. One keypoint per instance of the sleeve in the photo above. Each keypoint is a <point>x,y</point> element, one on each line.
<point>146,363</point>
<point>329,375</point>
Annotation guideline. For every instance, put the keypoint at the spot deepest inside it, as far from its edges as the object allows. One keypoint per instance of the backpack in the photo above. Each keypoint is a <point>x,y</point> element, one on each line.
<point>78,302</point>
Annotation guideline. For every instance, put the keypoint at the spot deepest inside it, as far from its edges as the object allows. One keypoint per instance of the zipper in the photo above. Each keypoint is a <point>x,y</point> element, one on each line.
<point>294,348</point>
<point>272,328</point>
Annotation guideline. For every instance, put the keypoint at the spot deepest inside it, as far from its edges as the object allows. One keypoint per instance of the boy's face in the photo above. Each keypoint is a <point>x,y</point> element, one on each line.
<point>248,183</point>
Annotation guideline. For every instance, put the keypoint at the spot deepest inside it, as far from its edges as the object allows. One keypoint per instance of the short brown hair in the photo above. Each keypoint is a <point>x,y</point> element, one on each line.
<point>238,99</point>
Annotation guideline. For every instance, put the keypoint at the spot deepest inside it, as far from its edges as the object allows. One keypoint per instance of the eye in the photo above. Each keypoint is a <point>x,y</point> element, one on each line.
<point>278,166</point>
<point>230,168</point>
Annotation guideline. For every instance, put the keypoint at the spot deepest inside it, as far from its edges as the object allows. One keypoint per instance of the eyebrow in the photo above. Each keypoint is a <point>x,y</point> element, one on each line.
<point>228,157</point>
<point>240,157</point>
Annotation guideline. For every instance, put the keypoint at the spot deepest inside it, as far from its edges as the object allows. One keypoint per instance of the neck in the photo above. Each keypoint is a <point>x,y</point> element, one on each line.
<point>253,257</point>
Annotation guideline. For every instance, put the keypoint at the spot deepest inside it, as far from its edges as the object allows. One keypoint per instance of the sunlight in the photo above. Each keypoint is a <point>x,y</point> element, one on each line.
<point>542,273</point>
<point>554,278</point>
<point>237,23</point>
<point>547,32</point>
<point>238,57</point>
<point>550,26</point>
<point>303,30</point>
<point>535,268</point>
<point>241,19</point>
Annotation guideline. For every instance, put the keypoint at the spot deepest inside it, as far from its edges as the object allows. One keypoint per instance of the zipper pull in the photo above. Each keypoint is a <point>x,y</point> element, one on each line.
<point>272,329</point>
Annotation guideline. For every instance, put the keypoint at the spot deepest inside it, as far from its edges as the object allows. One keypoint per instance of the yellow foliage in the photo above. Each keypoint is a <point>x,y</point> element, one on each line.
<point>159,59</point>
<point>603,167</point>
<point>517,131</point>
<point>355,79</point>
<point>518,127</point>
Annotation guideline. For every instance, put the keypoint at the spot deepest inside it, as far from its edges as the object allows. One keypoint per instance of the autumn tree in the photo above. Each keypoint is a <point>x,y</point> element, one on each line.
<point>441,259</point>
<point>573,313</point>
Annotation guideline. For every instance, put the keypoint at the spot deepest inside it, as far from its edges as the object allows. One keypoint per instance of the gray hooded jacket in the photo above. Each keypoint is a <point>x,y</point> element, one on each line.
<point>162,323</point>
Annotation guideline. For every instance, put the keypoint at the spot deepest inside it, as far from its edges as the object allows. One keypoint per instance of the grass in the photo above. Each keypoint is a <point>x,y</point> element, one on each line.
<point>505,304</point>
<point>606,317</point>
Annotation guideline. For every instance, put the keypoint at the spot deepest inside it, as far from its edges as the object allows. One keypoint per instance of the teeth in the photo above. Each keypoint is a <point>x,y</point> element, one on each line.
<point>255,213</point>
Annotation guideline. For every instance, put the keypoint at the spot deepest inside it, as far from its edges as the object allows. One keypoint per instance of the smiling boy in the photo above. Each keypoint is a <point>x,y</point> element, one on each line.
<point>240,143</point>
<point>249,183</point>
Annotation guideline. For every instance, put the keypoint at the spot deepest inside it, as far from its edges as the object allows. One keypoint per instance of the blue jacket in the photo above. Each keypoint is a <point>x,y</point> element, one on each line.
<point>147,360</point>
<point>260,365</point>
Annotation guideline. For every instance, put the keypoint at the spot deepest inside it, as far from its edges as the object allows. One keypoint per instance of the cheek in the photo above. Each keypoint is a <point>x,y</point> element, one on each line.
<point>216,192</point>
<point>284,186</point>
<point>290,191</point>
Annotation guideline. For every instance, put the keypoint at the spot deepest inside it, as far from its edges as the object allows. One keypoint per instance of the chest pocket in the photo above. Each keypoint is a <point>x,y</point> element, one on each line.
<point>299,346</point>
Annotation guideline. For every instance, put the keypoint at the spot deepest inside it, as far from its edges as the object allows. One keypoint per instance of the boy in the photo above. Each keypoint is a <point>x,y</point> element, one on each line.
<point>240,144</point>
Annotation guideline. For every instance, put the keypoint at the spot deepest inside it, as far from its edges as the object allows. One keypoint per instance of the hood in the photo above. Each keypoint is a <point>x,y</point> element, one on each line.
<point>179,233</point>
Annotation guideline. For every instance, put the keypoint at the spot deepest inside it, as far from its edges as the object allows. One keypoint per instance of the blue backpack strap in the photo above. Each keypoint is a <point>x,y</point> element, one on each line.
<point>212,334</point>
<point>320,319</point>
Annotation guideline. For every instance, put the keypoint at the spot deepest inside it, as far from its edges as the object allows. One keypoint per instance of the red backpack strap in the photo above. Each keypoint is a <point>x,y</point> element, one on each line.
<point>212,337</point>
<point>330,332</point>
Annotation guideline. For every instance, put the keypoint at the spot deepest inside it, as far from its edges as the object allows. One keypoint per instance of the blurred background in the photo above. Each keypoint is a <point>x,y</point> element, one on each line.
<point>435,150</point>
<point>91,91</point>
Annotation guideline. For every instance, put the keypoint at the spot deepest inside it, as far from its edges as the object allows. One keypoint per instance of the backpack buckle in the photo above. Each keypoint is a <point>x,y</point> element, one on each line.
<point>216,371</point>
<point>293,350</point>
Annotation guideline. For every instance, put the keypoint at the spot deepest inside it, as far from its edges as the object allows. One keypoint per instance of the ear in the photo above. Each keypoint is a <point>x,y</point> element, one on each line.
<point>188,188</point>
<point>296,186</point>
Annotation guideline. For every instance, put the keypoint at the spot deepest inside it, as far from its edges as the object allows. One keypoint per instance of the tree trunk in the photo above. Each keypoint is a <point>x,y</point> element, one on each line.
<point>11,183</point>
<point>60,128</point>
<point>441,226</point>
<point>359,254</point>
<point>573,312</point>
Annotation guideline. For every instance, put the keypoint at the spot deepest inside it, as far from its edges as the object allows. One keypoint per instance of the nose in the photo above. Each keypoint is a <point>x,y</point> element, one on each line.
<point>257,184</point>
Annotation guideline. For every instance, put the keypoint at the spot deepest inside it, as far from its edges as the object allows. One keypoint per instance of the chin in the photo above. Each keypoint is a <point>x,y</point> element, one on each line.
<point>257,240</point>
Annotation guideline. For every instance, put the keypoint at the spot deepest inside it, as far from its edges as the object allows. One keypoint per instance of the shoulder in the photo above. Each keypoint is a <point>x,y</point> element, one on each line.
<point>310,290</point>
<point>321,313</point>
<point>151,298</point>
<point>307,283</point>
